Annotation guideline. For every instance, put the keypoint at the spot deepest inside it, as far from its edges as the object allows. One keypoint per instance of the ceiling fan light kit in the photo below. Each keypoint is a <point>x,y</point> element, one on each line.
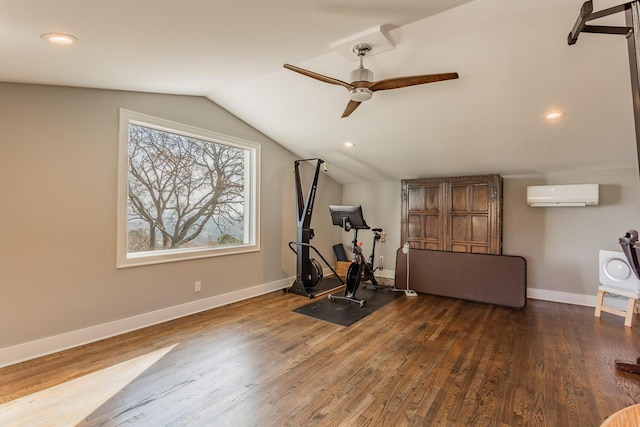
<point>360,94</point>
<point>362,85</point>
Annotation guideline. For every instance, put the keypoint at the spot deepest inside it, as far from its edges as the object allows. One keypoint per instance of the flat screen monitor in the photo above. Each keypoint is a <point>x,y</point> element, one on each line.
<point>347,217</point>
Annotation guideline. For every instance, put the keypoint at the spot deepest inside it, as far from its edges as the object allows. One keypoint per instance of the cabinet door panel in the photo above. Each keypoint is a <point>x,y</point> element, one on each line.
<point>415,227</point>
<point>422,223</point>
<point>432,198</point>
<point>432,227</point>
<point>458,198</point>
<point>479,249</point>
<point>416,199</point>
<point>459,228</point>
<point>460,214</point>
<point>479,228</point>
<point>480,198</point>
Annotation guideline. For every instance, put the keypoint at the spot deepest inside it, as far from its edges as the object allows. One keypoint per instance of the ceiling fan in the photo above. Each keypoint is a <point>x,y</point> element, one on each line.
<point>362,87</point>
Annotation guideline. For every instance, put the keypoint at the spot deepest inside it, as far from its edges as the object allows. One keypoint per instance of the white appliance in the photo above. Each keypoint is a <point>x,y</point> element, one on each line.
<point>616,272</point>
<point>563,195</point>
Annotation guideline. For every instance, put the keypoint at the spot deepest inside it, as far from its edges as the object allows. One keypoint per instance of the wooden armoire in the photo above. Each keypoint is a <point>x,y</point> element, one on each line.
<point>458,214</point>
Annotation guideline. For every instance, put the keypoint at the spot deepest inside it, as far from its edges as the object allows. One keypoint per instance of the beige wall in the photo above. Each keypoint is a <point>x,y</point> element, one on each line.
<point>59,150</point>
<point>381,209</point>
<point>560,244</point>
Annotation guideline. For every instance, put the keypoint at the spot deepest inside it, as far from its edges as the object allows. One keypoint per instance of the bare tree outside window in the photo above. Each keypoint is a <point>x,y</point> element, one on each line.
<point>185,192</point>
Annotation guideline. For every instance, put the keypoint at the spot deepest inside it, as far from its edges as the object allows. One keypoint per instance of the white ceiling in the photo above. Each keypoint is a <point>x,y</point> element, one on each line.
<point>512,57</point>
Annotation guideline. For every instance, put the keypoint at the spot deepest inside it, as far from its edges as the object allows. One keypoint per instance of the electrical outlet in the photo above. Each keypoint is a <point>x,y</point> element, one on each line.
<point>198,287</point>
<point>381,263</point>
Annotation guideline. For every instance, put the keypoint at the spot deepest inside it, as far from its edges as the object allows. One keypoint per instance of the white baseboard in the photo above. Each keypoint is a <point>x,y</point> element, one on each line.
<point>563,297</point>
<point>42,347</point>
<point>613,301</point>
<point>387,274</point>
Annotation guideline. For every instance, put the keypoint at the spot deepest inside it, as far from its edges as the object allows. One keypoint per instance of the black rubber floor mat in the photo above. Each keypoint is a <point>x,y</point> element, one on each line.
<point>347,313</point>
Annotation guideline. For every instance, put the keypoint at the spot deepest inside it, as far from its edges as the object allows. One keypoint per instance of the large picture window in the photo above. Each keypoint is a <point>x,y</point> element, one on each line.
<point>184,193</point>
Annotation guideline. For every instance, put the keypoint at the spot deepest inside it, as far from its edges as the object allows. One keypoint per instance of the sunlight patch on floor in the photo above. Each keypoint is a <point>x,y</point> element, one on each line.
<point>69,403</point>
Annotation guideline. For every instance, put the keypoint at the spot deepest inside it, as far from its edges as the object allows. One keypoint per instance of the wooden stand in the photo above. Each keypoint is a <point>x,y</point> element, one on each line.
<point>341,268</point>
<point>632,307</point>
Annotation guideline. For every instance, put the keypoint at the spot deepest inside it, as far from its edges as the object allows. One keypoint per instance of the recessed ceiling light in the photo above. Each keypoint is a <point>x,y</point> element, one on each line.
<point>349,144</point>
<point>59,38</point>
<point>554,115</point>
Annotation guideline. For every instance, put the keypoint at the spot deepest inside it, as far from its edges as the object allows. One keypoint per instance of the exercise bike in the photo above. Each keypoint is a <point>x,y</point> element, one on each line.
<point>350,217</point>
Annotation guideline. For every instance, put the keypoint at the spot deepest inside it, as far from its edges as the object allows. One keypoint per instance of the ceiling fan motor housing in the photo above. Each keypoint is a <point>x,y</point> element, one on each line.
<point>360,94</point>
<point>361,75</point>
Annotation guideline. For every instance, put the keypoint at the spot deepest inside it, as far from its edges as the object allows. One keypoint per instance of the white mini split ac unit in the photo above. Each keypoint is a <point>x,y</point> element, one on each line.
<point>563,195</point>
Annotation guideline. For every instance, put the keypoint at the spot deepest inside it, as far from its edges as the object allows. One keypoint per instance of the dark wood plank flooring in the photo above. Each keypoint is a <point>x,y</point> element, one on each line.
<point>424,361</point>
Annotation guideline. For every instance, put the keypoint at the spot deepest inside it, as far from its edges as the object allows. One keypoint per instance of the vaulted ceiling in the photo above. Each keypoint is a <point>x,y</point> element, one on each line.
<point>512,57</point>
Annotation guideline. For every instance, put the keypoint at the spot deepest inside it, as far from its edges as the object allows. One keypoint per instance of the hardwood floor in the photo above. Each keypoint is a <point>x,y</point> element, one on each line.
<point>425,361</point>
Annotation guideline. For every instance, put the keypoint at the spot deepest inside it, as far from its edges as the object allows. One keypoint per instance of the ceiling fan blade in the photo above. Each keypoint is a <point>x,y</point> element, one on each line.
<point>398,82</point>
<point>317,76</point>
<point>351,106</point>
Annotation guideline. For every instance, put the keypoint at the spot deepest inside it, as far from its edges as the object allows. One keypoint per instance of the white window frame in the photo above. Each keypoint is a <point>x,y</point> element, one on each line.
<point>251,203</point>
